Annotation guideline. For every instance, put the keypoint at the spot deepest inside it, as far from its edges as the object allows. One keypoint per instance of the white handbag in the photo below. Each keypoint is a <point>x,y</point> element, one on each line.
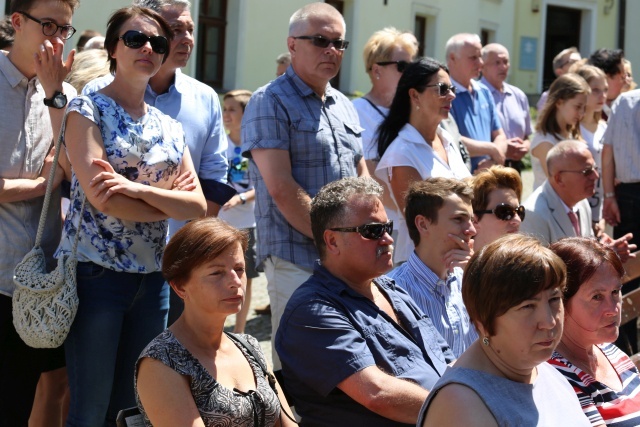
<point>45,303</point>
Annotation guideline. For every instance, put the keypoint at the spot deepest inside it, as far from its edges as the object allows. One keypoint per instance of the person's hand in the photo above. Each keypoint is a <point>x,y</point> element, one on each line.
<point>516,149</point>
<point>51,69</point>
<point>46,170</point>
<point>622,246</point>
<point>611,211</point>
<point>497,155</point>
<point>460,256</point>
<point>234,201</point>
<point>109,182</point>
<point>185,182</point>
<point>484,164</point>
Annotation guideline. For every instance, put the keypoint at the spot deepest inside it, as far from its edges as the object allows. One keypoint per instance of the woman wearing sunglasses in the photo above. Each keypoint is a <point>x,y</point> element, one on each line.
<point>496,204</point>
<point>411,144</point>
<point>387,54</point>
<point>131,163</point>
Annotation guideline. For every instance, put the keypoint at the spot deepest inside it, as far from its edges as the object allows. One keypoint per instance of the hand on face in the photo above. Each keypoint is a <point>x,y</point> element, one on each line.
<point>460,256</point>
<point>50,66</point>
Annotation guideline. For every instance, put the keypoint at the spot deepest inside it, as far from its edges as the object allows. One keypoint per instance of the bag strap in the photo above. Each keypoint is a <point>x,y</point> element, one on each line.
<point>244,343</point>
<point>375,107</point>
<point>47,194</point>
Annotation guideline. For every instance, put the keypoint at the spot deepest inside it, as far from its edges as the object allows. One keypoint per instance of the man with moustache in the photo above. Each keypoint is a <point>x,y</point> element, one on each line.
<point>512,104</point>
<point>355,348</point>
<point>299,134</point>
<point>34,97</point>
<point>473,108</point>
<point>440,222</point>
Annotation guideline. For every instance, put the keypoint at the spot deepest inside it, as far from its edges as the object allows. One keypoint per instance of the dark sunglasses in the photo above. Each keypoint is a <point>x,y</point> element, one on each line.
<point>136,39</point>
<point>587,172</point>
<point>50,28</point>
<point>505,212</point>
<point>443,88</point>
<point>324,42</point>
<point>401,65</point>
<point>373,231</point>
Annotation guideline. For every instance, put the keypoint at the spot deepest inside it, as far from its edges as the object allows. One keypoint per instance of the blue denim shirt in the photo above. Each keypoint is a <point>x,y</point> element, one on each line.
<point>328,332</point>
<point>324,145</point>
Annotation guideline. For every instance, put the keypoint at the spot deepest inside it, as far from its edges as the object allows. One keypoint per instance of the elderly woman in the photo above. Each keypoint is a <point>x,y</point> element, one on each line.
<point>128,160</point>
<point>496,204</point>
<point>194,373</point>
<point>411,144</point>
<point>604,378</point>
<point>512,289</point>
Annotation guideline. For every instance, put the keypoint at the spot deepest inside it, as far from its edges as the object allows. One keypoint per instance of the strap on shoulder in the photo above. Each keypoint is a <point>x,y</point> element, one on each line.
<point>244,343</point>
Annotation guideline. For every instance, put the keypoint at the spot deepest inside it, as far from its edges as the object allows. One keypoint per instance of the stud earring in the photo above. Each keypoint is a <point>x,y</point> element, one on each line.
<point>417,107</point>
<point>485,341</point>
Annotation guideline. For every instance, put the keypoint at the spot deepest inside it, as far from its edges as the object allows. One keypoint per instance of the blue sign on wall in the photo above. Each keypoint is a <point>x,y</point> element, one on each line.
<point>528,53</point>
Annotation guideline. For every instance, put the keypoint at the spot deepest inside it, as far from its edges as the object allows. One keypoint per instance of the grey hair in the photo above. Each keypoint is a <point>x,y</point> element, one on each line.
<point>332,204</point>
<point>300,17</point>
<point>562,151</point>
<point>157,5</point>
<point>284,58</point>
<point>493,47</point>
<point>455,43</point>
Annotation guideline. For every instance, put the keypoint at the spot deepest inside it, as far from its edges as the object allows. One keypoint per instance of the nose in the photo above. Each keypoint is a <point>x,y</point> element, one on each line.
<point>147,46</point>
<point>386,239</point>
<point>548,318</point>
<point>471,229</point>
<point>236,279</point>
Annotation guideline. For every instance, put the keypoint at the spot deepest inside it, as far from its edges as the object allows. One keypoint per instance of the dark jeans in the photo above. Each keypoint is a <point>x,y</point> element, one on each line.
<point>119,314</point>
<point>20,368</point>
<point>628,198</point>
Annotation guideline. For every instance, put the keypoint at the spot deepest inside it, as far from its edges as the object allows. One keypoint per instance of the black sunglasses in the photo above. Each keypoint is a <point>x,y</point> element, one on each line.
<point>373,231</point>
<point>443,88</point>
<point>136,39</point>
<point>505,212</point>
<point>401,65</point>
<point>50,28</point>
<point>324,42</point>
<point>586,171</point>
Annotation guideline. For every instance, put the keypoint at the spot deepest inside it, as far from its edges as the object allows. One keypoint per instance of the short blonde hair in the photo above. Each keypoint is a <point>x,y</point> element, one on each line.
<point>88,65</point>
<point>382,43</point>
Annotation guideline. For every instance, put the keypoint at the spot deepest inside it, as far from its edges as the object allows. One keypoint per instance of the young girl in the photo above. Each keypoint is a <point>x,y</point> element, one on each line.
<point>239,210</point>
<point>558,120</point>
<point>592,128</point>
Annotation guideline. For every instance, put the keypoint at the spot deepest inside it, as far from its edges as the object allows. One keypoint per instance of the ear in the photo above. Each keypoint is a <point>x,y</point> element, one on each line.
<point>414,96</point>
<point>422,224</point>
<point>16,21</point>
<point>291,44</point>
<point>178,289</point>
<point>331,241</point>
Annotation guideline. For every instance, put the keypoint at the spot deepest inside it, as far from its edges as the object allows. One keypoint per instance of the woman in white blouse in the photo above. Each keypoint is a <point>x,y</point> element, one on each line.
<point>411,144</point>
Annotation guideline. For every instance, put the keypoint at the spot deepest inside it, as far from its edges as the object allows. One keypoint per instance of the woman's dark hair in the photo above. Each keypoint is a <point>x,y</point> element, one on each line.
<point>583,256</point>
<point>417,76</point>
<point>119,18</point>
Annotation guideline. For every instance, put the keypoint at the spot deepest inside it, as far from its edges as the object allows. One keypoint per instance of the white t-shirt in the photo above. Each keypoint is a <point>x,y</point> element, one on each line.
<point>240,216</point>
<point>538,172</point>
<point>410,149</point>
<point>594,142</point>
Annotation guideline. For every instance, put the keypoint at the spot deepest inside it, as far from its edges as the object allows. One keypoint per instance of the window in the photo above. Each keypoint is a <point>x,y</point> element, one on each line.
<point>420,31</point>
<point>212,25</point>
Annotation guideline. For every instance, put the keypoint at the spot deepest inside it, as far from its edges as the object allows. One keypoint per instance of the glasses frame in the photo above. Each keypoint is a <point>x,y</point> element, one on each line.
<point>153,40</point>
<point>364,230</point>
<point>443,89</point>
<point>510,213</point>
<point>586,172</point>
<point>323,42</point>
<point>400,65</point>
<point>70,29</point>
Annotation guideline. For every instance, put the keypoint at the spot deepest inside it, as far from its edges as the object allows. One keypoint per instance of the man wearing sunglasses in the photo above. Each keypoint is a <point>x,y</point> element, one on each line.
<point>512,104</point>
<point>300,134</point>
<point>474,109</point>
<point>34,97</point>
<point>440,222</point>
<point>355,348</point>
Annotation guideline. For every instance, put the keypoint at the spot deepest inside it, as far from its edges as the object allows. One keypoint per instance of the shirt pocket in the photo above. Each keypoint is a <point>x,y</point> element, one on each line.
<point>390,348</point>
<point>433,338</point>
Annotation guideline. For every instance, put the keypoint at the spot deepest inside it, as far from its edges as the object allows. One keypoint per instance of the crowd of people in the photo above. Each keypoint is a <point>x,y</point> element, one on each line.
<point>409,283</point>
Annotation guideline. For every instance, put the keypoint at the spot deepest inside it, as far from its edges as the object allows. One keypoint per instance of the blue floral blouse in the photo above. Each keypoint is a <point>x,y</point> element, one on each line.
<point>149,151</point>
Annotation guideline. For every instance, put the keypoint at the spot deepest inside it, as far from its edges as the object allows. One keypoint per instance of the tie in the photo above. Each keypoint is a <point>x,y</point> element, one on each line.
<point>574,221</point>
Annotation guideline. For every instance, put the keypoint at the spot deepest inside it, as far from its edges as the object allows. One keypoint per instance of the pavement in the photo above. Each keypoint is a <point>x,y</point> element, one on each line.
<point>259,326</point>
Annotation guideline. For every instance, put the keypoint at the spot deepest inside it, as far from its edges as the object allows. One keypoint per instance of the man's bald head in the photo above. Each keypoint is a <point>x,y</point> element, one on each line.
<point>559,154</point>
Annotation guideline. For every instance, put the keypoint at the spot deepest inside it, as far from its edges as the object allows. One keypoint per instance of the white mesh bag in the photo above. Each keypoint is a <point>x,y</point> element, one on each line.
<point>45,303</point>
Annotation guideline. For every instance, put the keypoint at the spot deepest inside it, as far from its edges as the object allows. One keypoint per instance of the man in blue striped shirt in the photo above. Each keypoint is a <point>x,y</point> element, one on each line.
<point>440,222</point>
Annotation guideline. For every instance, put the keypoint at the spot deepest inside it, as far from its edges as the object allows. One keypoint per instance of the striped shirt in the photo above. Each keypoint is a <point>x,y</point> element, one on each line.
<point>623,134</point>
<point>600,403</point>
<point>440,299</point>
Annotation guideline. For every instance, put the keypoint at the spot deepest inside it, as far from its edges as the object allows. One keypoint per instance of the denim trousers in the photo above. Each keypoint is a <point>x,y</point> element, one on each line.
<point>118,315</point>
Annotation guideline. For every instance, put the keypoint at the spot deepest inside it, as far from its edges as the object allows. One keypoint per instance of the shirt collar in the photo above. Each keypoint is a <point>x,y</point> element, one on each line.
<point>460,88</point>
<point>338,286</point>
<point>10,72</point>
<point>506,90</point>
<point>426,275</point>
<point>304,89</point>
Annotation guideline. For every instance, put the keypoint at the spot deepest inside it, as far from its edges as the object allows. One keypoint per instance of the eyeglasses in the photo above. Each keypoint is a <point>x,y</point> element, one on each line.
<point>136,39</point>
<point>372,231</point>
<point>324,42</point>
<point>401,65</point>
<point>50,28</point>
<point>505,212</point>
<point>443,88</point>
<point>586,172</point>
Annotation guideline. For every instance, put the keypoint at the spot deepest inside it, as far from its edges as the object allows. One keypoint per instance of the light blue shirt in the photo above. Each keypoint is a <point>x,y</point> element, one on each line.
<point>623,134</point>
<point>197,107</point>
<point>512,106</point>
<point>440,299</point>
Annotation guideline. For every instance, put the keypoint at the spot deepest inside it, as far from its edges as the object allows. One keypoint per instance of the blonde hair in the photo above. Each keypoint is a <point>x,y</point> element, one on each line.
<point>564,88</point>
<point>88,65</point>
<point>590,73</point>
<point>382,43</point>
